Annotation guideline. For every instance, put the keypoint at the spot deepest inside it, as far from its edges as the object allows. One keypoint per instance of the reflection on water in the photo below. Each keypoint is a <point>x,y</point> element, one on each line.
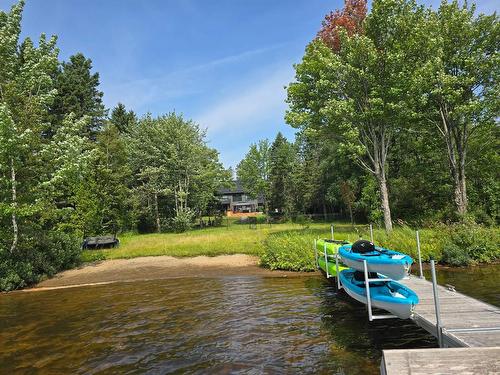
<point>481,282</point>
<point>220,325</point>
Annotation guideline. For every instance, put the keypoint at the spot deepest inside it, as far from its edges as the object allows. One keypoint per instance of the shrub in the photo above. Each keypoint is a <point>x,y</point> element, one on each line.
<point>183,221</point>
<point>469,243</point>
<point>302,220</point>
<point>37,256</point>
<point>455,256</point>
<point>290,250</point>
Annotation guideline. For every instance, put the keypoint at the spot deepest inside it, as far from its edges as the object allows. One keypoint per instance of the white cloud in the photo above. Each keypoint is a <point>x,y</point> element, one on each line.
<point>139,93</point>
<point>249,103</point>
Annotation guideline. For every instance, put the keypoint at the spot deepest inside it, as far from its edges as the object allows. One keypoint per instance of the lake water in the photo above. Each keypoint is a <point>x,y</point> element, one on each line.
<point>250,325</point>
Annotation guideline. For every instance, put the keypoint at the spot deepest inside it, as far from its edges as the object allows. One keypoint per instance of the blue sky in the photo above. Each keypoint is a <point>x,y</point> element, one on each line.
<point>222,63</point>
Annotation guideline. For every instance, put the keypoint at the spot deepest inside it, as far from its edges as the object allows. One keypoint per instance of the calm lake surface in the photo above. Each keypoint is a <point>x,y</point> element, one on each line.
<point>249,325</point>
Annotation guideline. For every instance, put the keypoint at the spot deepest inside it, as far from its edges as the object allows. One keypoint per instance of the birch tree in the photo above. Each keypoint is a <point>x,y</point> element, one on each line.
<point>26,91</point>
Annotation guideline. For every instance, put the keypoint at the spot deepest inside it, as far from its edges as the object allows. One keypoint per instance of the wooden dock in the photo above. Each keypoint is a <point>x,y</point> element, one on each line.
<point>441,361</point>
<point>465,321</point>
<point>470,331</point>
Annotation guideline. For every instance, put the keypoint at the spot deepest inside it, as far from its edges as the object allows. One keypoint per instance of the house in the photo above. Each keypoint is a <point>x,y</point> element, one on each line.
<point>236,200</point>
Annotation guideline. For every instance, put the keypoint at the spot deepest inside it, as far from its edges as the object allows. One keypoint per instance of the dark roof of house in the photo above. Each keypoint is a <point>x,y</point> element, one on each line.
<point>237,188</point>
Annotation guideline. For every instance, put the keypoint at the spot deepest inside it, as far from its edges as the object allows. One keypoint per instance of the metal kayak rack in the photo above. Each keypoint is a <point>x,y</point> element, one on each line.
<point>368,280</point>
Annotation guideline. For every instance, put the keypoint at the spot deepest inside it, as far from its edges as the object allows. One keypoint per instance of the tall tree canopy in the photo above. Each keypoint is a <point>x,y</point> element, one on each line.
<point>361,95</point>
<point>122,119</point>
<point>78,93</point>
<point>33,168</point>
<point>464,92</point>
<point>177,173</point>
<point>253,171</point>
<point>350,20</point>
<point>281,162</point>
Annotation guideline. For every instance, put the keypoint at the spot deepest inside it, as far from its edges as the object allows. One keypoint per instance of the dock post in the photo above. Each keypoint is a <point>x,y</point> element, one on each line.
<point>316,253</point>
<point>331,230</point>
<point>371,233</point>
<point>436,304</point>
<point>419,257</point>
<point>326,263</point>
<point>367,287</point>
<point>337,270</point>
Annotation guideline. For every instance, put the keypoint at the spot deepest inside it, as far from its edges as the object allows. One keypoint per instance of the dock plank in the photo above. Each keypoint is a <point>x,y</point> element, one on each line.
<point>458,311</point>
<point>441,361</point>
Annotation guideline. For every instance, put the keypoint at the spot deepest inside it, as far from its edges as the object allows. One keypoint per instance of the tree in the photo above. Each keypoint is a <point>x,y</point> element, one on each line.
<point>281,158</point>
<point>464,94</point>
<point>177,173</point>
<point>25,91</point>
<point>33,168</point>
<point>350,19</point>
<point>102,199</point>
<point>78,93</point>
<point>363,95</point>
<point>121,118</point>
<point>348,197</point>
<point>253,171</point>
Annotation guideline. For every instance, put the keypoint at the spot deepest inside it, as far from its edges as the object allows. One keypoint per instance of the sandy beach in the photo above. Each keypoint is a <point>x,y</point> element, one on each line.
<point>159,267</point>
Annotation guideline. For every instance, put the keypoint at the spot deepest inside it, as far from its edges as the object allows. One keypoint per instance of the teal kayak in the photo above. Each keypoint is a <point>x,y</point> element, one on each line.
<point>387,295</point>
<point>390,263</point>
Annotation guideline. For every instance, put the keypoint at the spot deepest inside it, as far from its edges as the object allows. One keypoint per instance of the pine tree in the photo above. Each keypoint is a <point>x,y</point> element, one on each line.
<point>281,157</point>
<point>122,119</point>
<point>78,93</point>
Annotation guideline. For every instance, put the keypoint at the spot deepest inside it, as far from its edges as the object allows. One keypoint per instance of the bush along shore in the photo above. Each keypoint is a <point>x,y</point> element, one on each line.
<point>286,246</point>
<point>463,244</point>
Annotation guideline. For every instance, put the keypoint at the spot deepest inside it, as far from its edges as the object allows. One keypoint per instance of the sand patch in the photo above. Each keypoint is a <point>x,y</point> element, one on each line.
<point>159,267</point>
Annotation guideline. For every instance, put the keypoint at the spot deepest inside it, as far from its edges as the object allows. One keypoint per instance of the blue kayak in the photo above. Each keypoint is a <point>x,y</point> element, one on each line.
<point>390,263</point>
<point>387,295</point>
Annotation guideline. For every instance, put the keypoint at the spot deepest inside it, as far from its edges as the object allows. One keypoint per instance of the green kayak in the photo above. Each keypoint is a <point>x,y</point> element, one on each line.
<point>331,250</point>
<point>331,246</point>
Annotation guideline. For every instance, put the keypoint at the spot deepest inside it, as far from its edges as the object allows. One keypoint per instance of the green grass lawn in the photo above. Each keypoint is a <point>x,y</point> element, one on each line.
<point>235,239</point>
<point>286,239</point>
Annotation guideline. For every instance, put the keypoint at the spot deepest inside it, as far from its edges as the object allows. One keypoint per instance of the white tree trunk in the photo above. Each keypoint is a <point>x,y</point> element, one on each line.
<point>460,190</point>
<point>157,213</point>
<point>456,145</point>
<point>15,229</point>
<point>384,200</point>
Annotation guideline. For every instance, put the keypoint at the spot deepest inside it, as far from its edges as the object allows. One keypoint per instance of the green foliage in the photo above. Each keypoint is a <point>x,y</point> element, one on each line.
<point>39,254</point>
<point>253,171</point>
<point>176,172</point>
<point>291,250</point>
<point>122,119</point>
<point>78,93</point>
<point>90,256</point>
<point>469,243</point>
<point>281,160</point>
<point>403,239</point>
<point>183,221</point>
<point>35,169</point>
<point>367,112</point>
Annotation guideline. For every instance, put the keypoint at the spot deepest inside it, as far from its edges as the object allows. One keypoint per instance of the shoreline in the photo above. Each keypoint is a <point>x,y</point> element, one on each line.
<point>158,268</point>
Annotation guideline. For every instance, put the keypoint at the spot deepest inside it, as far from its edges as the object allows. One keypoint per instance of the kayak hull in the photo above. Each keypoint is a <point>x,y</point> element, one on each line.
<point>391,264</point>
<point>390,296</point>
<point>332,247</point>
<point>332,269</point>
<point>392,271</point>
